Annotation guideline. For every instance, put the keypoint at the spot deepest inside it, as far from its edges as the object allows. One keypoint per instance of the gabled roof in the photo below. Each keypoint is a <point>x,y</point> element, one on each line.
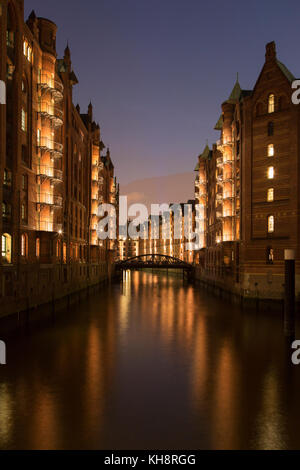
<point>197,167</point>
<point>286,71</point>
<point>219,125</point>
<point>206,153</point>
<point>236,93</point>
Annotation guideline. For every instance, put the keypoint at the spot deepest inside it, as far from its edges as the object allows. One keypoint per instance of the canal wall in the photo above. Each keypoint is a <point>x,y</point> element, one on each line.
<point>251,299</point>
<point>51,290</point>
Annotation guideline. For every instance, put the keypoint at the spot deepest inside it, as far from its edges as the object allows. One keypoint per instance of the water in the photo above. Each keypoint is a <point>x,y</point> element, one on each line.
<point>151,364</point>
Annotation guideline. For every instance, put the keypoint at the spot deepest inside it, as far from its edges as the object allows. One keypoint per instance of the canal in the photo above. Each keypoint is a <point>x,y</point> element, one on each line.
<point>151,364</point>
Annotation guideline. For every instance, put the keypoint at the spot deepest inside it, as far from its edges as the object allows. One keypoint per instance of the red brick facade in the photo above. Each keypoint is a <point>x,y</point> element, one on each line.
<point>53,173</point>
<point>249,187</point>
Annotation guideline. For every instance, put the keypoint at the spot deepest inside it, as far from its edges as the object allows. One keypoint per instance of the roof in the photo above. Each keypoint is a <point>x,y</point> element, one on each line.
<point>219,125</point>
<point>236,92</point>
<point>286,71</point>
<point>197,167</point>
<point>206,153</point>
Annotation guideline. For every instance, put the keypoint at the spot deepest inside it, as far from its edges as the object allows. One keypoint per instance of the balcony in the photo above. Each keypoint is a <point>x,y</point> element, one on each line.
<point>48,145</point>
<point>48,83</point>
<point>52,112</point>
<point>48,172</point>
<point>227,213</point>
<point>49,200</point>
<point>228,195</point>
<point>45,226</point>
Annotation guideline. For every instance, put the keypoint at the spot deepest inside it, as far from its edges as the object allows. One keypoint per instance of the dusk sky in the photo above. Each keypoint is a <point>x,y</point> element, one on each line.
<point>157,71</point>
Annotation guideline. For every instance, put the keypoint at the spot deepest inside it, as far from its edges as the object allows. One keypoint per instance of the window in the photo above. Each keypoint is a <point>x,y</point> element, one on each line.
<point>270,172</point>
<point>25,155</point>
<point>58,249</point>
<point>24,120</point>
<point>7,178</point>
<point>37,247</point>
<point>270,255</point>
<point>271,150</point>
<point>270,129</point>
<point>24,213</point>
<point>270,196</point>
<point>24,182</point>
<point>271,224</point>
<point>65,253</point>
<point>6,248</point>
<point>24,245</point>
<point>27,50</point>
<point>271,104</point>
<point>38,137</point>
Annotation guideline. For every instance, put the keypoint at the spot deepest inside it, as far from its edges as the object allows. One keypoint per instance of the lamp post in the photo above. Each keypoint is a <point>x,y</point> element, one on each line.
<point>289,293</point>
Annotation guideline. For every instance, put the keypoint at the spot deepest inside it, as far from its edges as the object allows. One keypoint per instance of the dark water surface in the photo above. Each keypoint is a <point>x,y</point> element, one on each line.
<point>151,364</point>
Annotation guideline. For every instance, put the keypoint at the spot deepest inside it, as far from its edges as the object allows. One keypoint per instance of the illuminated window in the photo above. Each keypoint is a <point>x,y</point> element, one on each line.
<point>271,224</point>
<point>38,137</point>
<point>25,47</point>
<point>271,150</point>
<point>270,172</point>
<point>24,120</point>
<point>24,245</point>
<point>37,247</point>
<point>7,177</point>
<point>270,195</point>
<point>271,104</point>
<point>6,248</point>
<point>65,253</point>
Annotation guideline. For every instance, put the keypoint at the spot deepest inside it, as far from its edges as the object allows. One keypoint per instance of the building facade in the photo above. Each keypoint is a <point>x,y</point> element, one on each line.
<point>247,186</point>
<point>53,173</point>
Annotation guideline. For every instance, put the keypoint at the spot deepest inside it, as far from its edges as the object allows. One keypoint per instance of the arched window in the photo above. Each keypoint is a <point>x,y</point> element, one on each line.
<point>270,129</point>
<point>270,172</point>
<point>24,245</point>
<point>38,248</point>
<point>24,213</point>
<point>271,224</point>
<point>270,255</point>
<point>65,253</point>
<point>6,244</point>
<point>271,104</point>
<point>270,195</point>
<point>270,150</point>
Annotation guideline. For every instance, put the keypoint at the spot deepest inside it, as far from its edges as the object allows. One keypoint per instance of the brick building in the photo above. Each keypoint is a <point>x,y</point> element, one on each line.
<point>248,187</point>
<point>53,173</point>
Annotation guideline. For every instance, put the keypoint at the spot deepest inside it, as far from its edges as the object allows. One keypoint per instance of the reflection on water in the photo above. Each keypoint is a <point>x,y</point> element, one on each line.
<point>151,363</point>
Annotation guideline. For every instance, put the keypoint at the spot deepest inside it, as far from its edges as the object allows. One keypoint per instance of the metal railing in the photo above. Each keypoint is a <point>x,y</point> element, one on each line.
<point>49,199</point>
<point>51,111</point>
<point>48,82</point>
<point>47,144</point>
<point>49,172</point>
<point>45,226</point>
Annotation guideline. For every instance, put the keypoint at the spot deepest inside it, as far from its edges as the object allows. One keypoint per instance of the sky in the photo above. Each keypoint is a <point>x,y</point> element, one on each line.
<point>157,71</point>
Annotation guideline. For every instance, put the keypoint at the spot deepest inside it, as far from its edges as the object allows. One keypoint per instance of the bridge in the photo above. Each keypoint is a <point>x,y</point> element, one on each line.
<point>155,261</point>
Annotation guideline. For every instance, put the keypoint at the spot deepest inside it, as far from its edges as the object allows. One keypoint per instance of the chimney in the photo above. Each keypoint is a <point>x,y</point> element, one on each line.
<point>270,52</point>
